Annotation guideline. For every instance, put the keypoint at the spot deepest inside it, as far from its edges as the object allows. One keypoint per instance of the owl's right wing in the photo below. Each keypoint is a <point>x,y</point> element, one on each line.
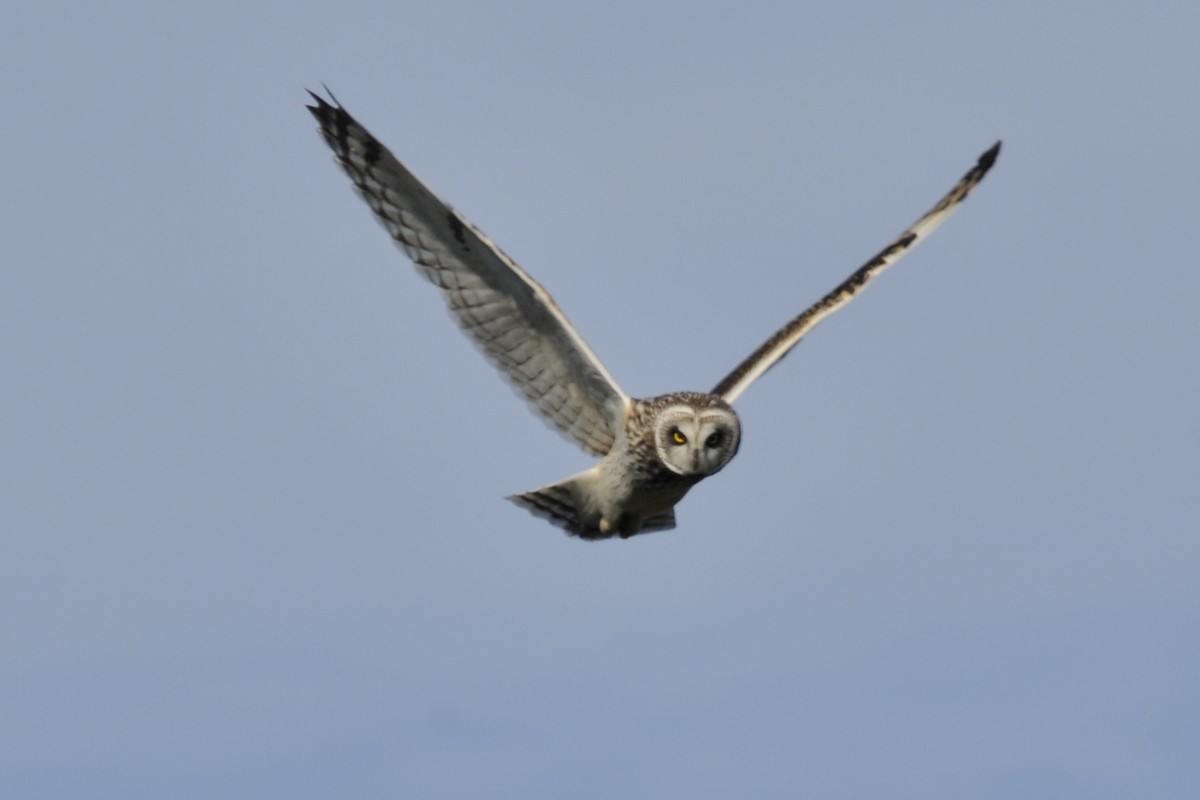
<point>514,320</point>
<point>783,340</point>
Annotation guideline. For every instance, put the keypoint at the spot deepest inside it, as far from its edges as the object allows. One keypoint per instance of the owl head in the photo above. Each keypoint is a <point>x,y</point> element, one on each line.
<point>697,436</point>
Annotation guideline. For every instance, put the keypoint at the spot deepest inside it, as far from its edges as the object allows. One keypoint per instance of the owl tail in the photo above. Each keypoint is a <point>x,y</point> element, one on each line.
<point>568,505</point>
<point>564,504</point>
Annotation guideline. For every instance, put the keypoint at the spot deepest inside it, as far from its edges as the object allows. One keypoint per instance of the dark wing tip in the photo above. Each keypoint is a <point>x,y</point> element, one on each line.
<point>321,108</point>
<point>324,109</point>
<point>988,158</point>
<point>334,123</point>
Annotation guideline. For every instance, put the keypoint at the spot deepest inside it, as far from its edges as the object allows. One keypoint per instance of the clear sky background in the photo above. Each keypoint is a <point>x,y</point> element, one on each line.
<point>254,542</point>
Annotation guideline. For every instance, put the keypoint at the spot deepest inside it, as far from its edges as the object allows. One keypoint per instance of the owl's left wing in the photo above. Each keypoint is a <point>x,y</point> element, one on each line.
<point>787,337</point>
<point>513,319</point>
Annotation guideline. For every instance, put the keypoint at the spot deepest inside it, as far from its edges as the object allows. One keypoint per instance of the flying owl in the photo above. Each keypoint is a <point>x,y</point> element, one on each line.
<point>652,451</point>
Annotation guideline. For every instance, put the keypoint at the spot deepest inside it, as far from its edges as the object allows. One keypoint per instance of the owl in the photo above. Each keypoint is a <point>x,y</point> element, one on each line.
<point>652,451</point>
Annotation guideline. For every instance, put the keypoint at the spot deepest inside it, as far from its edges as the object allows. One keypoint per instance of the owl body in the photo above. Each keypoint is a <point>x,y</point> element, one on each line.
<point>652,451</point>
<point>666,446</point>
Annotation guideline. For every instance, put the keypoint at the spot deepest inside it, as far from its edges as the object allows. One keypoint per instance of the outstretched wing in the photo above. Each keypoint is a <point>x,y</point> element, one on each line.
<point>787,337</point>
<point>510,316</point>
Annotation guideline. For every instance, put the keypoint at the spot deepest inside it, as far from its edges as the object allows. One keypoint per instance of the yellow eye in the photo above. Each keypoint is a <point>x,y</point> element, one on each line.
<point>678,437</point>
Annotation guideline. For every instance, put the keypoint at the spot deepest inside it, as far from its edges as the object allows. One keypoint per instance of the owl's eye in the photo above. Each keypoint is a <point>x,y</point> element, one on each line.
<point>678,437</point>
<point>714,440</point>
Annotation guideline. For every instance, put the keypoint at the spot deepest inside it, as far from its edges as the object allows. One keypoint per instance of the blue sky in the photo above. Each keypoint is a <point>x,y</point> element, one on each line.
<point>254,542</point>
